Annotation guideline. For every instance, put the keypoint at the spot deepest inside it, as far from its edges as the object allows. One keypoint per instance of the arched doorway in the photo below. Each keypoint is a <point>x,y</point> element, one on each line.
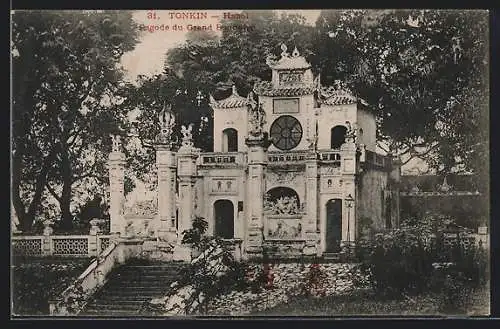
<point>230,140</point>
<point>337,136</point>
<point>333,225</point>
<point>224,219</point>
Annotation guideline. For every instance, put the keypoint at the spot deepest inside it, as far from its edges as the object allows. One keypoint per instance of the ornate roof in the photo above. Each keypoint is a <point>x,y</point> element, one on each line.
<point>287,62</point>
<point>333,96</point>
<point>235,100</point>
<point>266,88</point>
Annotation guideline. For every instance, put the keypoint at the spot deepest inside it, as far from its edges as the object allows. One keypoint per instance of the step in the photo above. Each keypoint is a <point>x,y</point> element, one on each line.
<point>109,313</point>
<point>117,298</point>
<point>129,307</point>
<point>147,277</point>
<point>137,286</point>
<point>132,293</point>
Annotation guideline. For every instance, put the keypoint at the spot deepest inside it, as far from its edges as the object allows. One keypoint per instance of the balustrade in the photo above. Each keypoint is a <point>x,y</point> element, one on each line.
<point>221,159</point>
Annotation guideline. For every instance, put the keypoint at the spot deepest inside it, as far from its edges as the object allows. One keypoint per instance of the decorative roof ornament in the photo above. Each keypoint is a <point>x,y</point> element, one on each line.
<point>234,100</point>
<point>167,123</point>
<point>284,51</point>
<point>187,135</point>
<point>295,52</point>
<point>445,187</point>
<point>257,116</point>
<point>234,91</point>
<point>212,99</point>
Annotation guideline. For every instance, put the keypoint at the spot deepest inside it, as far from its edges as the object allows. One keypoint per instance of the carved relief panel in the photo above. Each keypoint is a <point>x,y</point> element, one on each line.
<point>224,185</point>
<point>331,184</point>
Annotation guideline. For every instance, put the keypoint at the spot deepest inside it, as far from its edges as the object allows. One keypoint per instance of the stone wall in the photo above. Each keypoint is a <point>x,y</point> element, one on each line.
<point>288,281</point>
<point>371,185</point>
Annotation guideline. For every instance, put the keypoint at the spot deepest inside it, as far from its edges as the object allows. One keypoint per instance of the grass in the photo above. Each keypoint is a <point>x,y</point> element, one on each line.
<point>366,303</point>
<point>34,281</point>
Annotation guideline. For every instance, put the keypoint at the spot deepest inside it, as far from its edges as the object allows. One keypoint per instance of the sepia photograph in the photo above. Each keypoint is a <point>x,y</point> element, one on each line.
<point>249,163</point>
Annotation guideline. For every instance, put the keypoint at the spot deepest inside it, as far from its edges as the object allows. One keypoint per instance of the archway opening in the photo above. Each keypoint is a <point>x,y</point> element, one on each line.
<point>333,225</point>
<point>224,219</point>
<point>282,200</point>
<point>230,140</point>
<point>337,136</point>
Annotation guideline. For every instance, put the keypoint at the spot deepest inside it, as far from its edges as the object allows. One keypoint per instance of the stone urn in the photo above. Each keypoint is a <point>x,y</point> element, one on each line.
<point>47,227</point>
<point>95,226</point>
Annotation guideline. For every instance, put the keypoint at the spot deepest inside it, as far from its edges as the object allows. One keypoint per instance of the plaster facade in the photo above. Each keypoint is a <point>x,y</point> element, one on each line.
<point>294,168</point>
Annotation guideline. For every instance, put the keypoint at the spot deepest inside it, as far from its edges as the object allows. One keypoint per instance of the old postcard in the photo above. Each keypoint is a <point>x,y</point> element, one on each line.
<point>250,163</point>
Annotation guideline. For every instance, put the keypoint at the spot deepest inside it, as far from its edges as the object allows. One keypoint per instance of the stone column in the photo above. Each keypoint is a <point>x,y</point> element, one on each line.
<point>166,169</point>
<point>348,158</point>
<point>257,163</point>
<point>395,179</point>
<point>116,185</point>
<point>311,209</point>
<point>187,172</point>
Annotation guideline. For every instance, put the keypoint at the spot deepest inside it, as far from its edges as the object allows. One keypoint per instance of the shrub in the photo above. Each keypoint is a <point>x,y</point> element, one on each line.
<point>401,262</point>
<point>396,261</point>
<point>314,282</point>
<point>35,281</point>
<point>204,272</point>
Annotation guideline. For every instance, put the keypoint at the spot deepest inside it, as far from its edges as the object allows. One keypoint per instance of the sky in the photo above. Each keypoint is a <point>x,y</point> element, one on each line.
<point>148,56</point>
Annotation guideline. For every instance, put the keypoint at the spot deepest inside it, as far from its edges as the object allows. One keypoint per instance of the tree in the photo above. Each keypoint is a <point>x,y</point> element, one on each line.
<point>65,78</point>
<point>211,65</point>
<point>425,74</point>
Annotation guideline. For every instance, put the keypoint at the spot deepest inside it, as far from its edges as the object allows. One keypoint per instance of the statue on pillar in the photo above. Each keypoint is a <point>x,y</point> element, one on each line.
<point>257,116</point>
<point>116,146</point>
<point>167,123</point>
<point>350,136</point>
<point>187,135</point>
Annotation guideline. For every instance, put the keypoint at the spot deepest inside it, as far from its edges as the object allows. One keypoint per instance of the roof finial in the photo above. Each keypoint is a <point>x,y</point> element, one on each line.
<point>295,52</point>
<point>212,99</point>
<point>235,92</point>
<point>284,49</point>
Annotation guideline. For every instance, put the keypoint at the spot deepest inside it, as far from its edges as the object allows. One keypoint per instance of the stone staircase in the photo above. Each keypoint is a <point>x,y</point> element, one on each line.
<point>131,286</point>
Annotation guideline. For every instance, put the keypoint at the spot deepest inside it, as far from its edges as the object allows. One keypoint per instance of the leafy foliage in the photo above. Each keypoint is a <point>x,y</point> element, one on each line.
<point>35,282</point>
<point>423,71</point>
<point>402,261</point>
<point>214,271</point>
<point>65,104</point>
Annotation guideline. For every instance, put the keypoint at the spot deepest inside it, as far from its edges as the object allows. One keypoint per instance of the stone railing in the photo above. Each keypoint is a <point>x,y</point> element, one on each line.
<point>74,298</point>
<point>60,245</point>
<point>329,157</point>
<point>465,240</point>
<point>218,159</point>
<point>287,157</point>
<point>378,160</point>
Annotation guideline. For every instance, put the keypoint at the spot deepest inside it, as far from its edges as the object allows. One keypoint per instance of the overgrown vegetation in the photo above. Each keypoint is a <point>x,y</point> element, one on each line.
<point>36,281</point>
<point>413,260</point>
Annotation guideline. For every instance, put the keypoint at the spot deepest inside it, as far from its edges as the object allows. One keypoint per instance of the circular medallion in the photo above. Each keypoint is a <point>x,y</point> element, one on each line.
<point>286,132</point>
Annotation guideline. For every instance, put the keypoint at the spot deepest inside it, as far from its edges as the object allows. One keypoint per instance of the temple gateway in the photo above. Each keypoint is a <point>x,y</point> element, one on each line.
<point>294,172</point>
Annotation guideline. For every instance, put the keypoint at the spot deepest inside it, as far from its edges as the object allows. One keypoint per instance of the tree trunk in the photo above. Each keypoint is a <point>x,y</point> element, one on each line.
<point>66,217</point>
<point>27,218</point>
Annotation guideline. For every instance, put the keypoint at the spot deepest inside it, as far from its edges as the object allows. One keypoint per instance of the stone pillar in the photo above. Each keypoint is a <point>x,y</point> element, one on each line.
<point>116,186</point>
<point>395,179</point>
<point>311,207</point>
<point>257,163</point>
<point>348,158</point>
<point>47,238</point>
<point>187,172</point>
<point>166,170</point>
